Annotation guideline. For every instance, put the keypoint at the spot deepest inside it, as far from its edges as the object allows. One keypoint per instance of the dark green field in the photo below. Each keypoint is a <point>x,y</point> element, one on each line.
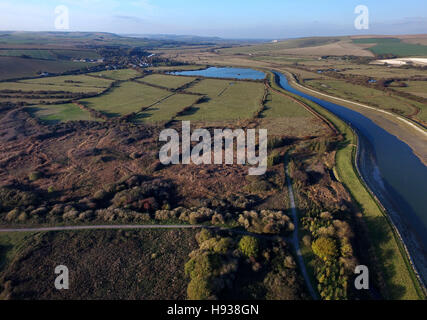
<point>393,46</point>
<point>16,67</point>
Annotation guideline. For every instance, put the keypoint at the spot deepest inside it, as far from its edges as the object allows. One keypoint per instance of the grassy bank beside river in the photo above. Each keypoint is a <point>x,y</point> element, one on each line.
<point>398,277</point>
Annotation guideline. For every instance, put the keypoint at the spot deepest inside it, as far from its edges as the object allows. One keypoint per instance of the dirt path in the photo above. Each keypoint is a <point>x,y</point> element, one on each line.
<point>295,238</point>
<point>308,108</point>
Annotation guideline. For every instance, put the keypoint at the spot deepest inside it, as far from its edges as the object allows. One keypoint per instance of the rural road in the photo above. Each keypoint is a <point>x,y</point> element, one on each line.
<point>295,238</point>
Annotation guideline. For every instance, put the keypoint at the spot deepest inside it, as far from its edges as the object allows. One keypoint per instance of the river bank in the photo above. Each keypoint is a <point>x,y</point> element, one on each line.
<point>396,267</point>
<point>405,130</point>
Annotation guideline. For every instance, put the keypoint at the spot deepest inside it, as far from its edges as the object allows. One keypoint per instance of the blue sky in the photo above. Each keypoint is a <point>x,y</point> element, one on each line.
<point>224,18</point>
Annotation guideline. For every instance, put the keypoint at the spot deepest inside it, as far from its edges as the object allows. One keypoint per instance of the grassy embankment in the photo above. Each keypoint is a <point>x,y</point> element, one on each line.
<point>400,278</point>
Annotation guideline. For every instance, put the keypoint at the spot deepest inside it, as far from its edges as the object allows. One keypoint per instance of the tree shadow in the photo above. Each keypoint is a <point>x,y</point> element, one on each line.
<point>381,235</point>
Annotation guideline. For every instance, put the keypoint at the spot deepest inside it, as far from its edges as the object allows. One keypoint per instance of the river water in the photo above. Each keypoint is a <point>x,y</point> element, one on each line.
<point>389,166</point>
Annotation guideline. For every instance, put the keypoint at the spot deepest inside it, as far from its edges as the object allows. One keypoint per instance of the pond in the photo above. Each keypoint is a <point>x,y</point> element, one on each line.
<point>232,73</point>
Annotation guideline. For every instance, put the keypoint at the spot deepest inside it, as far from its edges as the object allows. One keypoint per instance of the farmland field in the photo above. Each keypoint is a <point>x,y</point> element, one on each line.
<point>15,67</point>
<point>28,87</point>
<point>69,81</point>
<point>369,96</point>
<point>75,54</point>
<point>170,82</point>
<point>283,116</point>
<point>393,46</point>
<point>281,45</point>
<point>227,100</point>
<point>60,113</point>
<point>167,109</point>
<point>418,88</point>
<point>122,74</point>
<point>212,87</point>
<point>52,89</point>
<point>34,54</point>
<point>127,98</point>
<point>278,106</point>
<point>50,54</point>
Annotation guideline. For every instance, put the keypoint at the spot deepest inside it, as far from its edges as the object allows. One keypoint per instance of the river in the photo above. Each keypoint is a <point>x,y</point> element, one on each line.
<point>392,171</point>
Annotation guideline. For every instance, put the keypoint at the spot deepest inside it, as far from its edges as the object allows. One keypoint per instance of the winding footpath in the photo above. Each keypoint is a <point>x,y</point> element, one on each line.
<point>295,237</point>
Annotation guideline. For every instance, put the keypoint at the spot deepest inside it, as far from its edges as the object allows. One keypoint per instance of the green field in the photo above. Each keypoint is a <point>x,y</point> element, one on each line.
<point>369,96</point>
<point>167,81</point>
<point>418,88</point>
<point>34,54</point>
<point>60,113</point>
<point>167,109</point>
<point>212,87</point>
<point>127,98</point>
<point>269,48</point>
<point>52,89</point>
<point>227,100</point>
<point>71,81</point>
<point>393,46</point>
<point>278,106</point>
<point>122,74</point>
<point>283,116</point>
<point>50,54</point>
<point>28,87</point>
<point>75,54</point>
<point>15,67</point>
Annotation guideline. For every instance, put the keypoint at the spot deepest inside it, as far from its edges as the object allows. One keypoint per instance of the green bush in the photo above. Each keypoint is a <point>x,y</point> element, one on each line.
<point>202,267</point>
<point>249,246</point>
<point>274,158</point>
<point>324,248</point>
<point>34,176</point>
<point>223,245</point>
<point>199,289</point>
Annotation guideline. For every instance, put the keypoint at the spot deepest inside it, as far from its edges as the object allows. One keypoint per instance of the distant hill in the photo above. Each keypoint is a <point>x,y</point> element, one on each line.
<point>25,40</point>
<point>196,39</point>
